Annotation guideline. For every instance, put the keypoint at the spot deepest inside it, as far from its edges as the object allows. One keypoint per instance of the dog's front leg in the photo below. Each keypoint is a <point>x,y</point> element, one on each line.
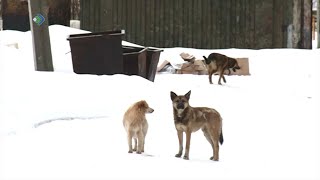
<point>230,72</point>
<point>129,136</point>
<point>135,144</point>
<point>180,137</point>
<point>224,79</point>
<point>188,138</point>
<point>140,142</point>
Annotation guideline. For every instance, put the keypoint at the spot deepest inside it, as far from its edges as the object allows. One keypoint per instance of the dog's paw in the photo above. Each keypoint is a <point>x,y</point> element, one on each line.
<point>186,157</point>
<point>129,151</point>
<point>134,149</point>
<point>178,155</point>
<point>138,152</point>
<point>213,159</point>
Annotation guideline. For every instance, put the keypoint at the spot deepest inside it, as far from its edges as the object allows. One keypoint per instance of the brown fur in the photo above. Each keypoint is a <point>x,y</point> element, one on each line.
<point>189,119</point>
<point>136,125</point>
<point>219,63</point>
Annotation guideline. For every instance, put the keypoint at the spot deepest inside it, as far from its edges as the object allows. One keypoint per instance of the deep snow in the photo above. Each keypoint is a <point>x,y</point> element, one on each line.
<point>271,121</point>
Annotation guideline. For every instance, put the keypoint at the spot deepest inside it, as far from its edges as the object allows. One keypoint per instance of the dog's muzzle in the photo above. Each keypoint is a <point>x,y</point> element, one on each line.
<point>235,68</point>
<point>150,110</point>
<point>180,105</point>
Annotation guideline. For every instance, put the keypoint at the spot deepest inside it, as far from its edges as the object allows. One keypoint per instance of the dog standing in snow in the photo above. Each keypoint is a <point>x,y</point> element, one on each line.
<point>219,63</point>
<point>136,125</point>
<point>189,119</point>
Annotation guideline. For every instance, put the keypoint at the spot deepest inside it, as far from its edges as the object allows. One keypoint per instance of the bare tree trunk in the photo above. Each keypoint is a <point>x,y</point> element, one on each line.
<point>1,22</point>
<point>302,25</point>
<point>296,36</point>
<point>318,23</point>
<point>306,23</point>
<point>75,9</point>
<point>0,10</point>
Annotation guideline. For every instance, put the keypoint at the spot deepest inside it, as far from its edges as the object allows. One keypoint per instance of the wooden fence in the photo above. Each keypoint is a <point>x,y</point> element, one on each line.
<point>204,23</point>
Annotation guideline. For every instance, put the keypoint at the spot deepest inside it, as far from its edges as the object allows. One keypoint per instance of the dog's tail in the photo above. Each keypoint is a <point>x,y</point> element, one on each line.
<point>221,138</point>
<point>206,59</point>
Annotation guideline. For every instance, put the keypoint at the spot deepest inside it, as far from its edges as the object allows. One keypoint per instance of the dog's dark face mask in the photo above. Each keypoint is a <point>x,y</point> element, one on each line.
<point>235,68</point>
<point>180,102</point>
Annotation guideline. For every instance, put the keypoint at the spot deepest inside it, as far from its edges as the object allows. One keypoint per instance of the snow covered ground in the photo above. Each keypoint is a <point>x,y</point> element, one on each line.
<point>271,121</point>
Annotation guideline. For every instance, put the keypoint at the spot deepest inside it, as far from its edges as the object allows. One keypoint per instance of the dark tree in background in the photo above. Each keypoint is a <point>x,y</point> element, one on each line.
<point>59,12</point>
<point>318,23</point>
<point>75,9</point>
<point>15,13</point>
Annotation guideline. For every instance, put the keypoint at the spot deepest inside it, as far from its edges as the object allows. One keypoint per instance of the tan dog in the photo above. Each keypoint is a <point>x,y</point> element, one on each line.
<point>189,119</point>
<point>136,125</point>
<point>219,63</point>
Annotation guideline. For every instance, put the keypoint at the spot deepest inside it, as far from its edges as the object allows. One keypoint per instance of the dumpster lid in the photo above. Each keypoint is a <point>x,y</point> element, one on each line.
<point>133,50</point>
<point>148,48</point>
<point>155,49</point>
<point>96,34</point>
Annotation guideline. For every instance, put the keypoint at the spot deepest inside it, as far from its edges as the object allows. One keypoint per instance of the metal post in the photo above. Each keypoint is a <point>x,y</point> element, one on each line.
<point>38,15</point>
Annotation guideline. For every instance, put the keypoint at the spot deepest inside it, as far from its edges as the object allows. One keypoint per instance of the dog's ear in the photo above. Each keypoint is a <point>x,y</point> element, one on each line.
<point>173,95</point>
<point>142,105</point>
<point>188,95</point>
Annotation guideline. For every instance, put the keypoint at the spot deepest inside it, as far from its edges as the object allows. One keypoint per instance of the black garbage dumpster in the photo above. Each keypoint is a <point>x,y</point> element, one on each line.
<point>134,61</point>
<point>153,55</point>
<point>102,53</point>
<point>97,53</point>
<point>141,61</point>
